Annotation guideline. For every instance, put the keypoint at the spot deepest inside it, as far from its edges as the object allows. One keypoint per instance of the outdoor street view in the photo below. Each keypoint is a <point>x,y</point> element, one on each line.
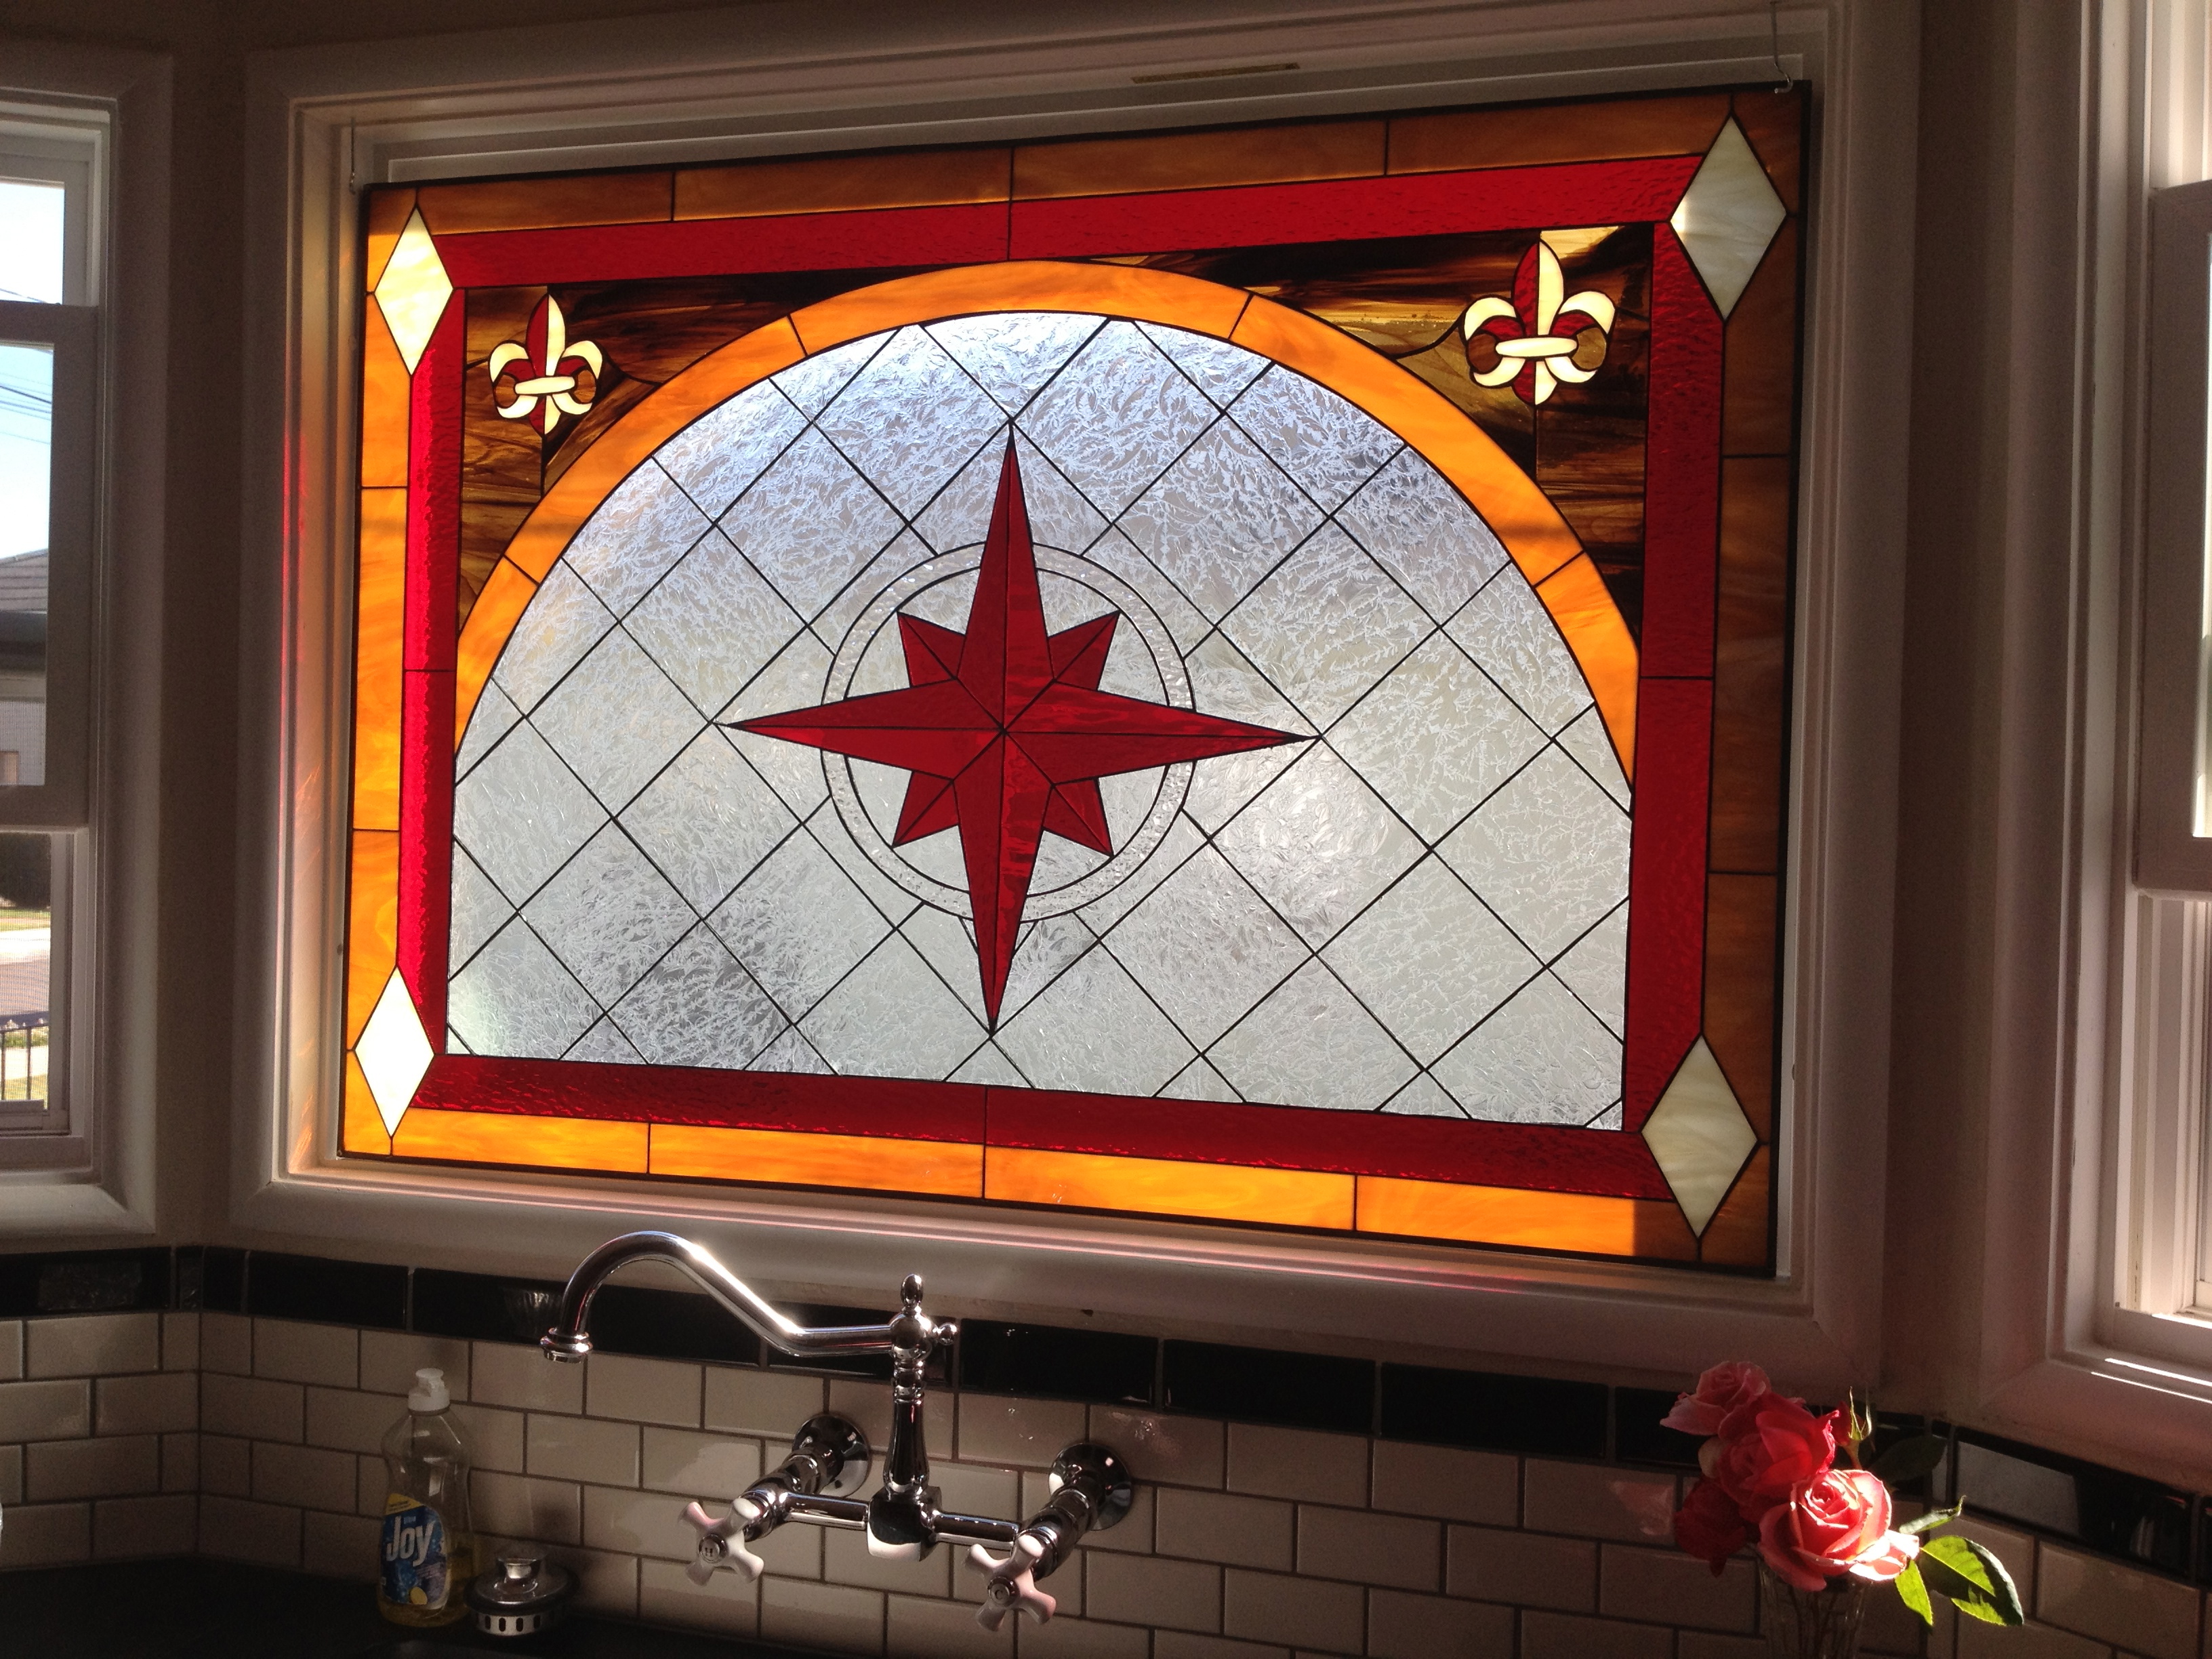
<point>31,270</point>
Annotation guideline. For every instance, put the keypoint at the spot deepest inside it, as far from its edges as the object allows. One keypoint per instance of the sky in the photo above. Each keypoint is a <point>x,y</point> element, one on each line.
<point>30,269</point>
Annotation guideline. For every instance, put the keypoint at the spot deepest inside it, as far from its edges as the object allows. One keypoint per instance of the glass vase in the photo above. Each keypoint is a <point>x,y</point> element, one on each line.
<point>1822,1624</point>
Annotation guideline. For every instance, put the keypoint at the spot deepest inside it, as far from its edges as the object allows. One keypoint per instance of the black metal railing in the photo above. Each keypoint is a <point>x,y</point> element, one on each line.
<point>23,1037</point>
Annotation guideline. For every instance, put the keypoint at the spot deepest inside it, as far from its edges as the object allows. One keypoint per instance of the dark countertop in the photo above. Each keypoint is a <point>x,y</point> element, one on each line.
<point>221,1610</point>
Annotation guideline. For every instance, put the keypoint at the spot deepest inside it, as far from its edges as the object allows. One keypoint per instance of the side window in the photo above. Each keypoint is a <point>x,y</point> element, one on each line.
<point>50,176</point>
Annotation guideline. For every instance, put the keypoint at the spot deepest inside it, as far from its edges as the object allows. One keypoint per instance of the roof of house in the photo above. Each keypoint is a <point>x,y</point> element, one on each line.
<point>23,582</point>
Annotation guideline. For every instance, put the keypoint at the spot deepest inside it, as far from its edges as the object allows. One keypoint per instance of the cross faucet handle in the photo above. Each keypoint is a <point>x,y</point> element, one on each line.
<point>1013,1584</point>
<point>722,1542</point>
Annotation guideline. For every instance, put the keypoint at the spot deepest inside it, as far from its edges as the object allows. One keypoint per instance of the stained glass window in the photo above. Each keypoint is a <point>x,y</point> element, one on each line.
<point>1236,675</point>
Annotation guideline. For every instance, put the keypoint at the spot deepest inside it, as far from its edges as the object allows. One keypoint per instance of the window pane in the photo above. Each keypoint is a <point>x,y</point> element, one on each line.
<point>27,385</point>
<point>31,241</point>
<point>25,968</point>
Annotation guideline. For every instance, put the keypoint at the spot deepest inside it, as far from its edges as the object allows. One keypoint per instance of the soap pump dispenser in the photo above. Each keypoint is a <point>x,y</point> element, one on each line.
<point>429,1541</point>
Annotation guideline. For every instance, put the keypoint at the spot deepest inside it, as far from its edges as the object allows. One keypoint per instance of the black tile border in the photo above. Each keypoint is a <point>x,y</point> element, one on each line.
<point>2145,1524</point>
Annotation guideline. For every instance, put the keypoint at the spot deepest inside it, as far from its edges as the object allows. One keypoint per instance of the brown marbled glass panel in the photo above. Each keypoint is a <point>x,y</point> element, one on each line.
<point>583,198</point>
<point>1525,136</point>
<point>385,215</point>
<point>1590,437</point>
<point>843,184</point>
<point>1758,371</point>
<point>1196,161</point>
<point>1740,1234</point>
<point>1774,122</point>
<point>1751,665</point>
<point>1741,913</point>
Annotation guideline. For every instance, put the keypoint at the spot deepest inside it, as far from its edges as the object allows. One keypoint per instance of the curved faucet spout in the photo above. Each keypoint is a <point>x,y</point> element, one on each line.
<point>570,1339</point>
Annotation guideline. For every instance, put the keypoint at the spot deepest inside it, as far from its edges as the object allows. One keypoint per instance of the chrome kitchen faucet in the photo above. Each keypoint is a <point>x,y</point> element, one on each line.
<point>830,1457</point>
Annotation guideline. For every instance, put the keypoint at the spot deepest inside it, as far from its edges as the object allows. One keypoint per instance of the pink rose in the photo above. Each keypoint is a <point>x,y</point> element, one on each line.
<point>1710,1527</point>
<point>1769,1448</point>
<point>1835,1524</point>
<point>1721,1391</point>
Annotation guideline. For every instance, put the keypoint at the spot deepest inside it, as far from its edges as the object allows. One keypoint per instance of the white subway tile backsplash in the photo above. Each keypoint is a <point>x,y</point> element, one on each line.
<point>1392,1550</point>
<point>1179,1451</point>
<point>727,1604</point>
<point>2154,1617</point>
<point>581,1449</point>
<point>135,1529</point>
<point>916,1628</point>
<point>514,1506</point>
<point>226,1466</point>
<point>628,1521</point>
<point>1149,1590</point>
<point>1027,1433</point>
<point>1668,1586</point>
<point>344,1419</point>
<point>496,1439</point>
<point>1448,1484</point>
<point>389,1360</point>
<point>1591,1500</point>
<point>226,1343</point>
<point>846,1560</point>
<point>164,1402</point>
<point>642,1390</point>
<point>835,1616</point>
<point>180,1342</point>
<point>252,1408</point>
<point>1205,1526</point>
<point>127,1465</point>
<point>92,1344</point>
<point>1530,1570</point>
<point>712,1466</point>
<point>1322,1468</point>
<point>47,1536</point>
<point>1268,1607</point>
<point>1404,1626</point>
<point>604,1583</point>
<point>304,1477</point>
<point>265,1533</point>
<point>790,1551</point>
<point>1188,1644</point>
<point>501,1374</point>
<point>291,1352</point>
<point>1563,1636</point>
<point>974,1489</point>
<point>1084,1638</point>
<point>180,1462</point>
<point>341,1546</point>
<point>740,1400</point>
<point>264,1438</point>
<point>44,1411</point>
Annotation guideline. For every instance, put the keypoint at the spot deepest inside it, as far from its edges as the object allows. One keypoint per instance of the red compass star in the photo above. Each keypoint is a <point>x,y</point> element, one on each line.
<point>1006,733</point>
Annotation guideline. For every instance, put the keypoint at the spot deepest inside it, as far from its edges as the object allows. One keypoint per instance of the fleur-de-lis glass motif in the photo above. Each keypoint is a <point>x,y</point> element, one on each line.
<point>1536,332</point>
<point>543,372</point>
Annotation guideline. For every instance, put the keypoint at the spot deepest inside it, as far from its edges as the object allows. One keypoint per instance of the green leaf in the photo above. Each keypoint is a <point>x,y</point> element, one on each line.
<point>1914,1594</point>
<point>1908,1460</point>
<point>1933,1519</point>
<point>1971,1576</point>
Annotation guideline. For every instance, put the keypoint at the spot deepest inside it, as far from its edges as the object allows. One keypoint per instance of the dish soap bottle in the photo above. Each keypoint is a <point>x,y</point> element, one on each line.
<point>429,1551</point>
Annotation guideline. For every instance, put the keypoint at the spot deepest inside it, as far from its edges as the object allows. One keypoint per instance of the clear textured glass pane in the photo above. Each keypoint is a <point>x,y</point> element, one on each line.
<point>26,419</point>
<point>31,241</point>
<point>1432,843</point>
<point>26,867</point>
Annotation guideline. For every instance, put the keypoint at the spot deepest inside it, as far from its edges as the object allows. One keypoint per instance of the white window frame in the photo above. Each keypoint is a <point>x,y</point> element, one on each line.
<point>322,120</point>
<point>99,118</point>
